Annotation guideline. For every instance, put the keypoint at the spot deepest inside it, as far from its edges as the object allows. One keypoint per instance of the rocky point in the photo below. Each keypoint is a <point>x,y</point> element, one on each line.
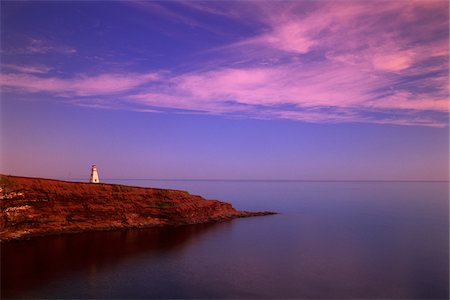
<point>34,207</point>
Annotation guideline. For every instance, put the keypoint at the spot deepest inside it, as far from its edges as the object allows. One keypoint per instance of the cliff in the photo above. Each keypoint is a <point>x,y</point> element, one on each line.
<point>34,207</point>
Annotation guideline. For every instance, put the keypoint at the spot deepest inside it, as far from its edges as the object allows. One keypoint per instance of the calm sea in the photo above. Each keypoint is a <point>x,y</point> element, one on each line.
<point>330,240</point>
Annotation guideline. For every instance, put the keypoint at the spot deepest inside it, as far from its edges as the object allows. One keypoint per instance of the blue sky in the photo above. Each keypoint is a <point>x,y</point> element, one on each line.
<point>226,89</point>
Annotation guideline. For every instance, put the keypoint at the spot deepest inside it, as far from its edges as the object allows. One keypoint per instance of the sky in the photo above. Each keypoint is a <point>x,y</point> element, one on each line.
<point>256,90</point>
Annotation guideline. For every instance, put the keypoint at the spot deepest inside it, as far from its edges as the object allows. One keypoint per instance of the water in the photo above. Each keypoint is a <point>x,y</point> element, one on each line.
<point>330,240</point>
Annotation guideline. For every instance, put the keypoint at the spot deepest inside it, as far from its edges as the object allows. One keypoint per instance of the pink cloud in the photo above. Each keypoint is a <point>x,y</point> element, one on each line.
<point>260,92</point>
<point>406,100</point>
<point>355,32</point>
<point>35,69</point>
<point>341,61</point>
<point>372,51</point>
<point>393,60</point>
<point>39,46</point>
<point>79,86</point>
<point>291,37</point>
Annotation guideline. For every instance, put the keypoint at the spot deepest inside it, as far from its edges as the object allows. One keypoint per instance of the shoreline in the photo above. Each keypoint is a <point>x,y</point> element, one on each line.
<point>35,207</point>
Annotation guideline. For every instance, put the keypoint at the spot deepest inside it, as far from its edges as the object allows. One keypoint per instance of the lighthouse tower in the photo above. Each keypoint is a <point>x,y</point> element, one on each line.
<point>94,175</point>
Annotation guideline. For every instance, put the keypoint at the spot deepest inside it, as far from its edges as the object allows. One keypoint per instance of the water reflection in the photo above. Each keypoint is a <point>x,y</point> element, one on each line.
<point>331,240</point>
<point>29,264</point>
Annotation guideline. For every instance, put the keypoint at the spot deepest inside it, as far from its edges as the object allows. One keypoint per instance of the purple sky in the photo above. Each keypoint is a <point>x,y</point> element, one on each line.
<point>226,89</point>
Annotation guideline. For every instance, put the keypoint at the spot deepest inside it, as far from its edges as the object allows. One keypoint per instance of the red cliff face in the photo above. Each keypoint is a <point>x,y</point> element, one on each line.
<point>33,207</point>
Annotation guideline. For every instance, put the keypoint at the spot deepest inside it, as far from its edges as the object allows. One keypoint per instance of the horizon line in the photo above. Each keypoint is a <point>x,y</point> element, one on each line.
<point>236,180</point>
<point>275,180</point>
<point>81,179</point>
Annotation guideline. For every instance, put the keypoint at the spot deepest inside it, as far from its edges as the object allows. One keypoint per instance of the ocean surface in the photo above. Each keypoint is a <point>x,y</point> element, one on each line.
<point>335,240</point>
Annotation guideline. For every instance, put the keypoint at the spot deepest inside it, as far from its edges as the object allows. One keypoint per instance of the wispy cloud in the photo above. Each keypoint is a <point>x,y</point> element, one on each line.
<point>242,11</point>
<point>163,10</point>
<point>316,94</point>
<point>381,62</point>
<point>33,69</point>
<point>156,8</point>
<point>82,85</point>
<point>40,46</point>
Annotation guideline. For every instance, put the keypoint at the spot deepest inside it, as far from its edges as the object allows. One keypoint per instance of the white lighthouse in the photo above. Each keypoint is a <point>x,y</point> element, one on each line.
<point>94,175</point>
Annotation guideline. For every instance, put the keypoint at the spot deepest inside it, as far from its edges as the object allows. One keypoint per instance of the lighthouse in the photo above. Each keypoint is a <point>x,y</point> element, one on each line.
<point>94,175</point>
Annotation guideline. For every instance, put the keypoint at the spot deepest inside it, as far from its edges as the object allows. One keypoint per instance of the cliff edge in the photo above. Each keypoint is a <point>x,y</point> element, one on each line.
<point>34,207</point>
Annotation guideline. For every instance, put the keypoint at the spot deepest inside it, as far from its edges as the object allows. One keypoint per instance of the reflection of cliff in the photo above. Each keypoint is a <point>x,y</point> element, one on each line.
<point>25,265</point>
<point>44,206</point>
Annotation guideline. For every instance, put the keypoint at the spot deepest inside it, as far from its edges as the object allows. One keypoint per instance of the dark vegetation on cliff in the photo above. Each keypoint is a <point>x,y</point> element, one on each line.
<point>35,207</point>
